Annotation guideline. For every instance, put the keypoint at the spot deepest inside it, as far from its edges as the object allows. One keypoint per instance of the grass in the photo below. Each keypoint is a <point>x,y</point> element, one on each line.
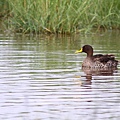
<point>63,16</point>
<point>3,8</point>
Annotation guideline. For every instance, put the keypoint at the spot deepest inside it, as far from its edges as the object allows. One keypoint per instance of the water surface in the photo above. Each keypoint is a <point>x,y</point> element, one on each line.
<point>41,78</point>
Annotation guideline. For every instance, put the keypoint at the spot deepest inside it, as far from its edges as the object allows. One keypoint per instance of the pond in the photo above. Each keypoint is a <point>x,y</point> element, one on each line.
<point>41,78</point>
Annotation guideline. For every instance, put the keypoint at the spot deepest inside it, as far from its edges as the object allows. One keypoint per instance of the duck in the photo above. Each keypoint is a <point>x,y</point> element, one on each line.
<point>99,61</point>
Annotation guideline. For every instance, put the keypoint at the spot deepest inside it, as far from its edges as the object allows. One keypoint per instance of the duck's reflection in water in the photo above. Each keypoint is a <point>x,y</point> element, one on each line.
<point>89,73</point>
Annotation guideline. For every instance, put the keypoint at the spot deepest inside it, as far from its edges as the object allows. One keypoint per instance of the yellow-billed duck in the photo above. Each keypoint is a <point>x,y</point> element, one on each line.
<point>97,61</point>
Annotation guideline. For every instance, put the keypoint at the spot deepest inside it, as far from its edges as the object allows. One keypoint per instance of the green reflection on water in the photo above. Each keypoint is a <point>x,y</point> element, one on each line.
<point>48,52</point>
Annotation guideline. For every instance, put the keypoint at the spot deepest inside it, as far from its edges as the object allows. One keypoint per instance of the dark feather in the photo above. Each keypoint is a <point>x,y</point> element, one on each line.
<point>104,58</point>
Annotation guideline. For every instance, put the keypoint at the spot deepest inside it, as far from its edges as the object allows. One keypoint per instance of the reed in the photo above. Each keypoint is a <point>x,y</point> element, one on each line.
<point>63,16</point>
<point>4,11</point>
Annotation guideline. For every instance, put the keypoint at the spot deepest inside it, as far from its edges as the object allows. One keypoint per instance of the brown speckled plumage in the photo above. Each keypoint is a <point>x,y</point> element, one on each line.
<point>99,60</point>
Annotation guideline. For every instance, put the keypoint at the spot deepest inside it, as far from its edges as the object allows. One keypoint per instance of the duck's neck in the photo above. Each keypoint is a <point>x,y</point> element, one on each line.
<point>90,54</point>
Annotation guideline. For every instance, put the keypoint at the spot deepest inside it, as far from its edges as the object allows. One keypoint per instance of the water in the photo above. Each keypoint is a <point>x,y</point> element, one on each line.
<point>41,78</point>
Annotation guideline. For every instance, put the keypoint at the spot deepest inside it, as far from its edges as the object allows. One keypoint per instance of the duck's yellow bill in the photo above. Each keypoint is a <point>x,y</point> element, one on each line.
<point>79,51</point>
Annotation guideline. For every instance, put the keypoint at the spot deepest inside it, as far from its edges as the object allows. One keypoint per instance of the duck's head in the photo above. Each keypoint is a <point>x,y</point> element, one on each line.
<point>87,49</point>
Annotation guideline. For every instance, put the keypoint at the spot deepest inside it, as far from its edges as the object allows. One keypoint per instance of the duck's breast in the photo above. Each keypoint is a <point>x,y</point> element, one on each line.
<point>87,63</point>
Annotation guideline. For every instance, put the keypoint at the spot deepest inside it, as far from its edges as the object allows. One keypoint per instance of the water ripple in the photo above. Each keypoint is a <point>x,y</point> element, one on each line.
<point>39,81</point>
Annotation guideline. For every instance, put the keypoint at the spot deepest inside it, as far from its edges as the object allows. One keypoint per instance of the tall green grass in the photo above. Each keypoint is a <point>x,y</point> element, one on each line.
<point>63,16</point>
<point>4,10</point>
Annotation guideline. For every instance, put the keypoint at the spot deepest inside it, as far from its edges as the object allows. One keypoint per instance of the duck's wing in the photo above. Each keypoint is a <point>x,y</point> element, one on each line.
<point>104,58</point>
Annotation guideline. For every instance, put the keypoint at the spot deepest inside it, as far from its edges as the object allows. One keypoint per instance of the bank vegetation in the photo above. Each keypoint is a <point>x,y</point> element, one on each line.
<point>60,16</point>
